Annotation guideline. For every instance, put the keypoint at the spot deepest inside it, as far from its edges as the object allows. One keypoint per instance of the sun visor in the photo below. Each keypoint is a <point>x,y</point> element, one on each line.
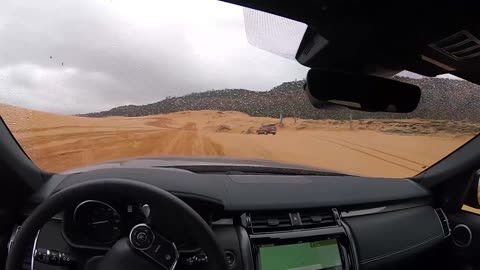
<point>272,33</point>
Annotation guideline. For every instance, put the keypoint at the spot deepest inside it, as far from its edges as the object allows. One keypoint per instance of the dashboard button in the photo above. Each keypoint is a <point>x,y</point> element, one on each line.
<point>295,219</point>
<point>229,258</point>
<point>201,259</point>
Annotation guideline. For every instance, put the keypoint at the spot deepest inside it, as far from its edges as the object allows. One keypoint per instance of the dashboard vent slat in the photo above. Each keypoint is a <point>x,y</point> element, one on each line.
<point>267,222</point>
<point>313,219</point>
<point>443,222</point>
<point>260,223</point>
<point>459,46</point>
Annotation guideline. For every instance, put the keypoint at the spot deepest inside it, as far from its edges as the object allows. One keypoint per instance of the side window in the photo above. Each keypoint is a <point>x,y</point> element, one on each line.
<point>470,209</point>
<point>472,201</point>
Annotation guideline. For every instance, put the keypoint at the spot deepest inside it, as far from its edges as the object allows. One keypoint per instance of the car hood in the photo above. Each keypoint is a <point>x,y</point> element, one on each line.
<point>152,162</point>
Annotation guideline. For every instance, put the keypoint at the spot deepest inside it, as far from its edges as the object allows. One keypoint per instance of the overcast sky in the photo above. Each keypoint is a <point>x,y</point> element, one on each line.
<point>117,52</point>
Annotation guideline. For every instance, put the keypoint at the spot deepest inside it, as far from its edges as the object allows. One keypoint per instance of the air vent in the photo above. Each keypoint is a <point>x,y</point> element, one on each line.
<point>270,222</point>
<point>315,219</point>
<point>259,222</point>
<point>443,221</point>
<point>459,46</point>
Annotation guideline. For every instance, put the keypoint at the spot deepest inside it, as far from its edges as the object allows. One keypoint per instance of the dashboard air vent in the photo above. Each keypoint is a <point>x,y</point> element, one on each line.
<point>314,219</point>
<point>261,223</point>
<point>266,222</point>
<point>443,221</point>
<point>459,46</point>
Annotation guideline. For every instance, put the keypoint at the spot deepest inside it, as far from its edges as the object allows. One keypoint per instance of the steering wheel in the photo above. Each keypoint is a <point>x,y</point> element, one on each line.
<point>145,248</point>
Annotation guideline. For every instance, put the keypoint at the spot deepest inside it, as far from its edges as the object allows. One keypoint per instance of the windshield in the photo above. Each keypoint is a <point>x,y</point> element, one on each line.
<point>85,82</point>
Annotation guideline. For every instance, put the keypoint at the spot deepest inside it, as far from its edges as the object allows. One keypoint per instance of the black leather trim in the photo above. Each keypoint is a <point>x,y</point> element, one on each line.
<point>245,248</point>
<point>353,246</point>
<point>392,237</point>
<point>402,250</point>
<point>263,192</point>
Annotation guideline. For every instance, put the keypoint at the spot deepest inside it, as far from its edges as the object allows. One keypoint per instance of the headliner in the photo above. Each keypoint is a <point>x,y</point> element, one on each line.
<point>384,38</point>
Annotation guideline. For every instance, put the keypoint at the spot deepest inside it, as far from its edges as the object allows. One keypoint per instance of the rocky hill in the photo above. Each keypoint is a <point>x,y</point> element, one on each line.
<point>441,99</point>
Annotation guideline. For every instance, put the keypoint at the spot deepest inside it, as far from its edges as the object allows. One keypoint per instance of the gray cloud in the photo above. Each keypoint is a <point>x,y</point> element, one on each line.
<point>118,52</point>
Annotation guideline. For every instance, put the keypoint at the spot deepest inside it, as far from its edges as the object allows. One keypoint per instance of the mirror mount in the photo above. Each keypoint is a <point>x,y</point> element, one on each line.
<point>362,92</point>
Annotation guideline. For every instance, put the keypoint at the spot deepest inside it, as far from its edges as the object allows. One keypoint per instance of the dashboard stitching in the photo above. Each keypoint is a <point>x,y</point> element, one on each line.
<point>400,251</point>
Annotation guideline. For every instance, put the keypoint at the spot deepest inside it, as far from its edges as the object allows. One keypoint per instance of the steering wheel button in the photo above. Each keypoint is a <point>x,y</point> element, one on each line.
<point>141,237</point>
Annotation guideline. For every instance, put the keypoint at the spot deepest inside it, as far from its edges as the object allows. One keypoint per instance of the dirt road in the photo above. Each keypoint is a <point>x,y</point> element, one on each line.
<point>343,150</point>
<point>58,143</point>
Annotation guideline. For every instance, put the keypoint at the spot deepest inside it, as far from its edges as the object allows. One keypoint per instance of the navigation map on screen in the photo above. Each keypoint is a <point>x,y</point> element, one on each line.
<point>302,256</point>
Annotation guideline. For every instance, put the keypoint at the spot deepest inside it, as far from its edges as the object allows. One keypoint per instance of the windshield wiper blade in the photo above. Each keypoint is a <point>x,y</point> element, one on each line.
<point>236,170</point>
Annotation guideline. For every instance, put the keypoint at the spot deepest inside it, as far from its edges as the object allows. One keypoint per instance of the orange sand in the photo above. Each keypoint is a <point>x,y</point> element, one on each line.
<point>57,142</point>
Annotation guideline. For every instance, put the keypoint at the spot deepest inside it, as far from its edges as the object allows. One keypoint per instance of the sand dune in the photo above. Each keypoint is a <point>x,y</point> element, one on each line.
<point>390,148</point>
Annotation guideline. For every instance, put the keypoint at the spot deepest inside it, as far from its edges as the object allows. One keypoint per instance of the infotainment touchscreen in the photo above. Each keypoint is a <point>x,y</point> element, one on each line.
<point>314,255</point>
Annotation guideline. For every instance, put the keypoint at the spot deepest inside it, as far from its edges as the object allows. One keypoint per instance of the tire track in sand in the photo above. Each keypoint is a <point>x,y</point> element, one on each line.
<point>185,142</point>
<point>74,151</point>
<point>375,153</point>
<point>380,151</point>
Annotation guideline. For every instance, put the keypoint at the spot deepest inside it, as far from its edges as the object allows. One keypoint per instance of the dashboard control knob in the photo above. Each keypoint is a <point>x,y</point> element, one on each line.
<point>229,258</point>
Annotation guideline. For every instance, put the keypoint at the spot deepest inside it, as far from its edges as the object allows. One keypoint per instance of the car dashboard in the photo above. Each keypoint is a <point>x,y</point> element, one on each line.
<point>261,221</point>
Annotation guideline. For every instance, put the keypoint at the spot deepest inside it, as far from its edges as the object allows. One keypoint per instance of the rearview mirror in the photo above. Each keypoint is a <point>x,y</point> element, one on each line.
<point>360,92</point>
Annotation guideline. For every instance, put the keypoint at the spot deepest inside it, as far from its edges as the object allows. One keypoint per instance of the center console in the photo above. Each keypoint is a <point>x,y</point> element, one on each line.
<point>300,241</point>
